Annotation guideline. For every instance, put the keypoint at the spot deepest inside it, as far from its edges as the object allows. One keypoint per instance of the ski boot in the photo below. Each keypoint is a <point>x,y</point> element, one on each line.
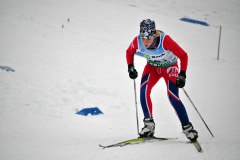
<point>190,133</point>
<point>148,129</point>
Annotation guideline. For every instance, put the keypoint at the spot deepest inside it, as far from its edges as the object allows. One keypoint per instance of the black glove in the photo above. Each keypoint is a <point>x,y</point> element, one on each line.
<point>133,74</point>
<point>180,82</point>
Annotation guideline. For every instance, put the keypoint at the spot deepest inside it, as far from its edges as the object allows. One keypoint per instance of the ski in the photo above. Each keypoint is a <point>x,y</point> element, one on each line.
<point>197,145</point>
<point>143,140</point>
<point>135,141</point>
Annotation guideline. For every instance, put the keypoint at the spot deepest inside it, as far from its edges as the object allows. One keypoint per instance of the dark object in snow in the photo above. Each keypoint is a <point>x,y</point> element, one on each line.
<point>92,111</point>
<point>6,68</point>
<point>194,21</point>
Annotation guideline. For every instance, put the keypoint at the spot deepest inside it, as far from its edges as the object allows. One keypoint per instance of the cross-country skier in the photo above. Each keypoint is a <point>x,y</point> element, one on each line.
<point>161,53</point>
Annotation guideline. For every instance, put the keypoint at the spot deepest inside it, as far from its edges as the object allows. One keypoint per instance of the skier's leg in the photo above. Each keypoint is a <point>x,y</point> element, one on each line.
<point>149,79</point>
<point>170,76</point>
<point>177,104</point>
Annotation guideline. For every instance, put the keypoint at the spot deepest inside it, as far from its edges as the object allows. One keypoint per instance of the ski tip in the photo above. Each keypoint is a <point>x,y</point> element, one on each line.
<point>103,147</point>
<point>200,150</point>
<point>197,146</point>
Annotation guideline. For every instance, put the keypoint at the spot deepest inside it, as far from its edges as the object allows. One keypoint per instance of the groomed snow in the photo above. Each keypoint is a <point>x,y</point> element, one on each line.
<point>63,66</point>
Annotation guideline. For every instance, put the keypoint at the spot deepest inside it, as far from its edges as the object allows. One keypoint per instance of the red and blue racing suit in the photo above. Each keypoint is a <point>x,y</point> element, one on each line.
<point>162,58</point>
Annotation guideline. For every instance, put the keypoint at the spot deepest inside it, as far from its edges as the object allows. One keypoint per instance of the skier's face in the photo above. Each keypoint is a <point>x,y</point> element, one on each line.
<point>147,42</point>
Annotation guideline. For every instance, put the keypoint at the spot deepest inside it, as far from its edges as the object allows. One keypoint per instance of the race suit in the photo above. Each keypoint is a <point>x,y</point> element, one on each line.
<point>162,57</point>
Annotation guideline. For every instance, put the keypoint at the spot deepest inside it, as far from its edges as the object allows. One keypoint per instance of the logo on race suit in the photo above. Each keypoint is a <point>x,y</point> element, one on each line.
<point>142,50</point>
<point>172,71</point>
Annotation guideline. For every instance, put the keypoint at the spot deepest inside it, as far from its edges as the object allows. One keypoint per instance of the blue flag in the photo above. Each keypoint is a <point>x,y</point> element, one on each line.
<point>91,111</point>
<point>194,21</point>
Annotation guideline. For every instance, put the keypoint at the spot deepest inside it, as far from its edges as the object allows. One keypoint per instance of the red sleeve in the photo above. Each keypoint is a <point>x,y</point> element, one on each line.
<point>131,51</point>
<point>169,44</point>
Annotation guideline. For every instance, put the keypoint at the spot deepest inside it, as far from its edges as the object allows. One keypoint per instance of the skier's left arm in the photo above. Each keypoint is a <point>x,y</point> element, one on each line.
<point>171,45</point>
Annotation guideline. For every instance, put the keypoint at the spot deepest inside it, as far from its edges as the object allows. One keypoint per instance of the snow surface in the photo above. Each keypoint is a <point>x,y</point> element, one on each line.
<point>63,66</point>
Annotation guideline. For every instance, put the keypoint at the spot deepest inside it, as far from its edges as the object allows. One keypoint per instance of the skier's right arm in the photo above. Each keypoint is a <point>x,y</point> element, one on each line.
<point>130,58</point>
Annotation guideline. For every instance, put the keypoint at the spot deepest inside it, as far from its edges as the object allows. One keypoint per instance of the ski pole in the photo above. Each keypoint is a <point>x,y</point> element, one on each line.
<point>197,111</point>
<point>135,92</point>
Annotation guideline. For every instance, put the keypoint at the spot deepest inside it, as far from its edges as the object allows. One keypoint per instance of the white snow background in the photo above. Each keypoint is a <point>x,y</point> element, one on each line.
<point>64,66</point>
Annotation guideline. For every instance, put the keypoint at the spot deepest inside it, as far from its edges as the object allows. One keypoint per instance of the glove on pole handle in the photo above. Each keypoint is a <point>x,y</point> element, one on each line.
<point>197,111</point>
<point>135,92</point>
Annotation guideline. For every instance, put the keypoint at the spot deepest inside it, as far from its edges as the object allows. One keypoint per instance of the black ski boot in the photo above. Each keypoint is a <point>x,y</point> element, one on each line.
<point>190,133</point>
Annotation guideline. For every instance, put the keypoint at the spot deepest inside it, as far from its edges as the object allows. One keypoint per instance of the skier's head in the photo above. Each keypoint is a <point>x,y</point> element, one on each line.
<point>147,29</point>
